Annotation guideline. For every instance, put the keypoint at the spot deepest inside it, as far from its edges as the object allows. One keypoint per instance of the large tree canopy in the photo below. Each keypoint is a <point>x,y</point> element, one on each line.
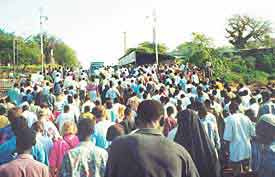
<point>242,29</point>
<point>6,50</point>
<point>149,47</point>
<point>49,43</point>
<point>200,50</point>
<point>65,55</point>
<point>28,50</point>
<point>197,51</point>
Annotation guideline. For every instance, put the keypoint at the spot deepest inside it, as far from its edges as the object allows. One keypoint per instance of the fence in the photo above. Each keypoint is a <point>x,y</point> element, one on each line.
<point>5,84</point>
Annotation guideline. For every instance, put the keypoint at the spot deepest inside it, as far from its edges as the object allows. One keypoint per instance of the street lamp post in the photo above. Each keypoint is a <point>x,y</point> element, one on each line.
<point>155,35</point>
<point>13,46</point>
<point>42,18</point>
<point>125,41</point>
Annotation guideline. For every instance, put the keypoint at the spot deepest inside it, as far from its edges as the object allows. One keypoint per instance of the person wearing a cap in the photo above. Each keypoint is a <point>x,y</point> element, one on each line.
<point>24,164</point>
<point>146,152</point>
<point>265,137</point>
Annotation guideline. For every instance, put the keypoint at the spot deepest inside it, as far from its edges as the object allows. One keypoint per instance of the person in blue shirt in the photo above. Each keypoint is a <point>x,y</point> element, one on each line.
<point>29,95</point>
<point>6,133</point>
<point>100,131</point>
<point>14,94</point>
<point>8,149</point>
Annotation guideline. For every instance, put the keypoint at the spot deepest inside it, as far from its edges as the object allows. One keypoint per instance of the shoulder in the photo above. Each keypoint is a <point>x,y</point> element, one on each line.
<point>74,152</point>
<point>37,164</point>
<point>123,142</point>
<point>229,119</point>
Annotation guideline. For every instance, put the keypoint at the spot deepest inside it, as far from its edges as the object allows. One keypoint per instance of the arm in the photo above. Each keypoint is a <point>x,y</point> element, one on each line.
<point>228,136</point>
<point>66,170</point>
<point>217,139</point>
<point>188,167</point>
<point>53,160</point>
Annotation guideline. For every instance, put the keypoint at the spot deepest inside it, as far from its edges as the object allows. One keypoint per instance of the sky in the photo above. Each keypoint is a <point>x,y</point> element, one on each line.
<point>94,28</point>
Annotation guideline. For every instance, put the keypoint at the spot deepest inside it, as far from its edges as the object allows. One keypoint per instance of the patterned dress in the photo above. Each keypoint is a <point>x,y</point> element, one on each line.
<point>86,160</point>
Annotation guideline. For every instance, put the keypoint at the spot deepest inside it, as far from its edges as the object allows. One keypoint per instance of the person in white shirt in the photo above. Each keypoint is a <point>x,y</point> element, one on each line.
<point>254,106</point>
<point>29,116</point>
<point>89,103</point>
<point>195,78</point>
<point>112,93</point>
<point>82,89</point>
<point>209,123</point>
<point>74,110</point>
<point>237,135</point>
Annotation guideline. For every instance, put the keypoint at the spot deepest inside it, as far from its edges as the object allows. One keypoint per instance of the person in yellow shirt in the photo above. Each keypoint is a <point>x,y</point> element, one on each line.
<point>3,119</point>
<point>87,114</point>
<point>219,85</point>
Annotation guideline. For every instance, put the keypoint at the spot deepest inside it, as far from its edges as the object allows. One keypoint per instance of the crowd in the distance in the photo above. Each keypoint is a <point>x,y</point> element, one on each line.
<point>136,121</point>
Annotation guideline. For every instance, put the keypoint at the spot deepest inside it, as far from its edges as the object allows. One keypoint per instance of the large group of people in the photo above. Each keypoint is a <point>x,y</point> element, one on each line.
<point>136,121</point>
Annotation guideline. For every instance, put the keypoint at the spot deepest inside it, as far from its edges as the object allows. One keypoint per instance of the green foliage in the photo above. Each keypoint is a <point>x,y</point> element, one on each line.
<point>6,50</point>
<point>28,50</point>
<point>149,47</point>
<point>64,55</point>
<point>266,63</point>
<point>250,62</point>
<point>272,76</point>
<point>256,77</point>
<point>198,51</point>
<point>237,68</point>
<point>267,41</point>
<point>234,77</point>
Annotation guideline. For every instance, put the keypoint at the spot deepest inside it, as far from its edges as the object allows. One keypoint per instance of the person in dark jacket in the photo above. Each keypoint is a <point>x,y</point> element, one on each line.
<point>146,152</point>
<point>192,136</point>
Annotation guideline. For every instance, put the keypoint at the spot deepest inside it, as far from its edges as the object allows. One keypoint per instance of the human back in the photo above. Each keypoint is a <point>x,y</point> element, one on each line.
<point>146,152</point>
<point>150,155</point>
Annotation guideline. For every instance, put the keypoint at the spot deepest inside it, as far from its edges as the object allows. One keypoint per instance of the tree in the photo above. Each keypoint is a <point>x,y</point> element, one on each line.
<point>200,50</point>
<point>197,51</point>
<point>242,29</point>
<point>49,44</point>
<point>6,47</point>
<point>149,47</point>
<point>64,55</point>
<point>29,52</point>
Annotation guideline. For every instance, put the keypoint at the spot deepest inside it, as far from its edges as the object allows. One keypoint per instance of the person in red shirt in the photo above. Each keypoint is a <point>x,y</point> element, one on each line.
<point>169,121</point>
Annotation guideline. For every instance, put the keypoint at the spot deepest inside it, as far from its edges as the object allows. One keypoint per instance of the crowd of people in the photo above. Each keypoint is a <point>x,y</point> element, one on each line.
<point>136,121</point>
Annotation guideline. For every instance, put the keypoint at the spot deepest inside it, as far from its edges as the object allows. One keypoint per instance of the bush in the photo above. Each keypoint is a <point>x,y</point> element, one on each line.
<point>234,77</point>
<point>272,76</point>
<point>237,68</point>
<point>250,62</point>
<point>265,63</point>
<point>258,77</point>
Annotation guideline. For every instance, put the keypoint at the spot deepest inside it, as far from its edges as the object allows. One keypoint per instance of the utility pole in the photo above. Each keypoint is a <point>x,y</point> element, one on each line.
<point>17,54</point>
<point>125,41</point>
<point>13,47</point>
<point>42,19</point>
<point>41,41</point>
<point>155,35</point>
